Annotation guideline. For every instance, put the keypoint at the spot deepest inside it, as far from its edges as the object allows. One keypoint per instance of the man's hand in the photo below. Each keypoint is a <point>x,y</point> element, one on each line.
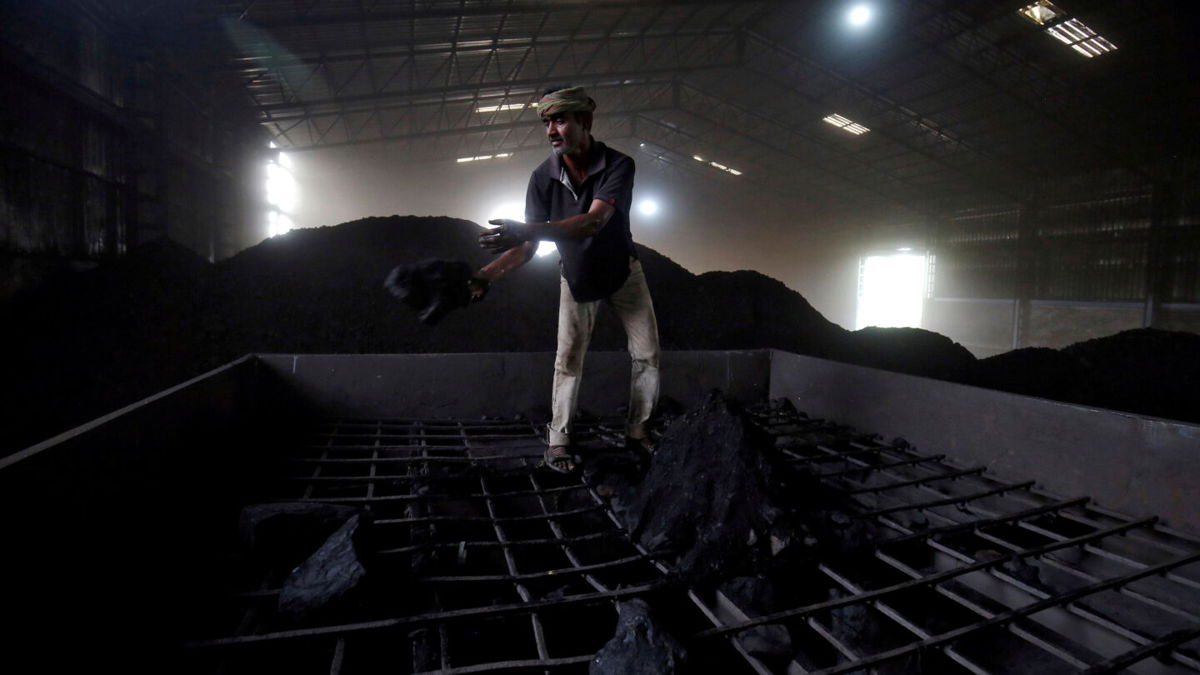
<point>478,287</point>
<point>507,234</point>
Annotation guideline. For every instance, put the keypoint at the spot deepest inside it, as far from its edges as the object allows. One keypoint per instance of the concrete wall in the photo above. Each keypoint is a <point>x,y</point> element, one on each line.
<point>1058,324</point>
<point>984,327</point>
<point>1137,465</point>
<point>110,523</point>
<point>1184,317</point>
<point>501,384</point>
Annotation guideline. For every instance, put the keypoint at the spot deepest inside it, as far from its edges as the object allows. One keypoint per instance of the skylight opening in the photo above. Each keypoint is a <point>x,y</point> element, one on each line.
<point>717,165</point>
<point>1078,36</point>
<point>1042,12</point>
<point>500,108</point>
<point>846,124</point>
<point>1070,31</point>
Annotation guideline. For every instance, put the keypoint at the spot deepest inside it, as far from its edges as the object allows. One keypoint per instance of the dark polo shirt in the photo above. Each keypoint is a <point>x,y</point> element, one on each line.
<point>595,266</point>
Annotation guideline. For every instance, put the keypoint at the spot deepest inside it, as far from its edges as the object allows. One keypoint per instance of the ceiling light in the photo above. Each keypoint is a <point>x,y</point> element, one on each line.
<point>859,15</point>
<point>1078,36</point>
<point>717,165</point>
<point>648,207</point>
<point>846,124</point>
<point>1070,31</point>
<point>507,106</point>
<point>480,158</point>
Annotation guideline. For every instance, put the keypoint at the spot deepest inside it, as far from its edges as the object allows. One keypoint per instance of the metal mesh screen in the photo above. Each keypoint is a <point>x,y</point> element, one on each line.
<point>507,568</point>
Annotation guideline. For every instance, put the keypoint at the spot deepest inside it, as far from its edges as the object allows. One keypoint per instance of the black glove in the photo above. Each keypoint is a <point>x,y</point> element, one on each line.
<point>479,288</point>
<point>507,234</point>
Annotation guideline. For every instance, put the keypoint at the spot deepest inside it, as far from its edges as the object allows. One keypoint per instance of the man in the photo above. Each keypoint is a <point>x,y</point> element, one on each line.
<point>580,198</point>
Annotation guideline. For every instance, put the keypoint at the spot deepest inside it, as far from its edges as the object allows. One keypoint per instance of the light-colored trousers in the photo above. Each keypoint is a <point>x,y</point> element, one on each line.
<point>633,307</point>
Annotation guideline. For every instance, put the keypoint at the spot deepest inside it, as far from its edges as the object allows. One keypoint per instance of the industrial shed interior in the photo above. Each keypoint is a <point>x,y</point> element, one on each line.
<point>941,259</point>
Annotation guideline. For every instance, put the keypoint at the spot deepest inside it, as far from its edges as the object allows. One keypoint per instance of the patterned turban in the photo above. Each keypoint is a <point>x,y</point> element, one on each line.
<point>571,99</point>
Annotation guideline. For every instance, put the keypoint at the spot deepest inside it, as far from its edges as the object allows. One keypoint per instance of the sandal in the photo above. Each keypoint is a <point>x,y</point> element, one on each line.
<point>559,458</point>
<point>642,445</point>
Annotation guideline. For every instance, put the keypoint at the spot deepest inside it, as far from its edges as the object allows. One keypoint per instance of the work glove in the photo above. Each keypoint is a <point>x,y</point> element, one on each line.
<point>507,234</point>
<point>478,288</point>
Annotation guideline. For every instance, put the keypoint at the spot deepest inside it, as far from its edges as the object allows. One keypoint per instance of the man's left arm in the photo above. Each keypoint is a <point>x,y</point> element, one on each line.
<point>513,232</point>
<point>615,188</point>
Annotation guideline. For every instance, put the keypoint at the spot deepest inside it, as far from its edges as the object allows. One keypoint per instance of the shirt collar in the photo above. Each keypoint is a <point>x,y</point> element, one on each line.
<point>597,162</point>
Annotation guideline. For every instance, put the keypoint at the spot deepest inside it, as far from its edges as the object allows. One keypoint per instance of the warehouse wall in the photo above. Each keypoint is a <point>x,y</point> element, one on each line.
<point>1084,257</point>
<point>111,139</point>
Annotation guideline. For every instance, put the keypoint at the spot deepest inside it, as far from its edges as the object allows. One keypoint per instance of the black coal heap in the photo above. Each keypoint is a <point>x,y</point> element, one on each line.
<point>159,315</point>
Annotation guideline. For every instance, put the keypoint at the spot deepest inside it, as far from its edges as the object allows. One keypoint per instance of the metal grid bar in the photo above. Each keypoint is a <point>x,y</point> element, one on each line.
<point>942,582</point>
<point>458,481</point>
<point>954,559</point>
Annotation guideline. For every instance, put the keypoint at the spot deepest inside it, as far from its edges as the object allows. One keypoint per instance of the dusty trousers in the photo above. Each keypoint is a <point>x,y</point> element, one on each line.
<point>631,303</point>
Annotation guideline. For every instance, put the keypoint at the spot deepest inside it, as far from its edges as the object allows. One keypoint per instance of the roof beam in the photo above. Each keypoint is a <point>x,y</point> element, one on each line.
<point>493,8</point>
<point>878,106</point>
<point>529,85</point>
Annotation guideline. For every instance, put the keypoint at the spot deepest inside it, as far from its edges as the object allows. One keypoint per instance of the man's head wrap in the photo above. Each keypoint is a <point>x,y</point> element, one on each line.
<point>571,99</point>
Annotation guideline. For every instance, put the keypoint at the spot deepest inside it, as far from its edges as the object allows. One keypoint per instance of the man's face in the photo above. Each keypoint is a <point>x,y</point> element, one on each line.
<point>566,133</point>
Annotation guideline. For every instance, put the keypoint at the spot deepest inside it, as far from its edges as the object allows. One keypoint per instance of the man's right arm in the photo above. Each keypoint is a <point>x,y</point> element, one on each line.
<point>515,257</point>
<point>504,263</point>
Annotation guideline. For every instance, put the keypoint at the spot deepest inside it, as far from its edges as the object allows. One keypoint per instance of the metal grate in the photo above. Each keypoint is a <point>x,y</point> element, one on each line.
<point>518,569</point>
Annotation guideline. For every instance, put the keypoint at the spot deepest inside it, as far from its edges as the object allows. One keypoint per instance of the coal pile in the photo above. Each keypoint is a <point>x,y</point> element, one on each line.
<point>716,506</point>
<point>905,350</point>
<point>1144,371</point>
<point>708,496</point>
<point>141,323</point>
<point>711,503</point>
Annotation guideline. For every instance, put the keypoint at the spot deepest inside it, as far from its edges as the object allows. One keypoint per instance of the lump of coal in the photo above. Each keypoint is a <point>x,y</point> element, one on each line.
<point>432,287</point>
<point>288,532</point>
<point>329,576</point>
<point>640,646</point>
<point>707,494</point>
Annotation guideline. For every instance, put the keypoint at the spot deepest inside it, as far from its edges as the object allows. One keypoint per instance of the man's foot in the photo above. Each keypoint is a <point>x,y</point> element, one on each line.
<point>559,458</point>
<point>643,445</point>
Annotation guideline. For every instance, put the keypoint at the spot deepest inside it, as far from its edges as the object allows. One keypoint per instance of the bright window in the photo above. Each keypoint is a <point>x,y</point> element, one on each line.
<point>283,194</point>
<point>891,290</point>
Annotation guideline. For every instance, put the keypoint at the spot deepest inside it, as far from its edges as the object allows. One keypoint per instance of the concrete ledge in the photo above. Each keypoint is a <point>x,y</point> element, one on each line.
<point>501,384</point>
<point>1138,465</point>
<point>1141,466</point>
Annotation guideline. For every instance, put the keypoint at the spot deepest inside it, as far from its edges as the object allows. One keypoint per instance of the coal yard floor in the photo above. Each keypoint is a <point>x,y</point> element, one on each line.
<point>493,564</point>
